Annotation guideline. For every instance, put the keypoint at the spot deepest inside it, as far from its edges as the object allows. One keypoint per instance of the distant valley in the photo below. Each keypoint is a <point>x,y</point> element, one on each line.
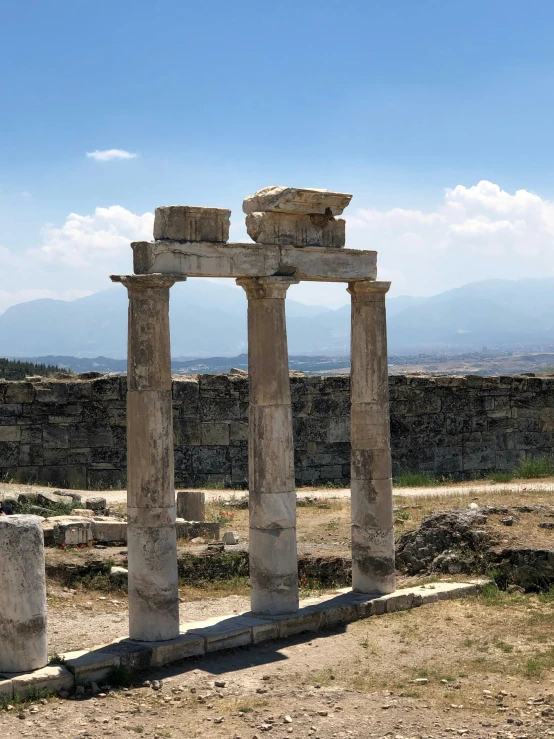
<point>208,319</point>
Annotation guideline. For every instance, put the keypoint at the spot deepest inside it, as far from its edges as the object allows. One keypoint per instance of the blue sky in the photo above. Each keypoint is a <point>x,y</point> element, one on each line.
<point>393,101</point>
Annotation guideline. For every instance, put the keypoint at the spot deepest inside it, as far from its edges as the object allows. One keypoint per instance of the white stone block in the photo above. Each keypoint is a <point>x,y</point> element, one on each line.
<point>90,666</point>
<point>273,571</point>
<point>191,223</point>
<point>296,200</point>
<point>185,645</point>
<point>224,632</point>
<point>109,531</point>
<point>72,531</point>
<point>296,230</point>
<point>23,641</point>
<point>51,679</point>
<point>6,687</point>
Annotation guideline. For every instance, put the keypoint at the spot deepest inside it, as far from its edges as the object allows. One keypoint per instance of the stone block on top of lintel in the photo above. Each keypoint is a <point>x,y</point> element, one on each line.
<point>192,223</point>
<point>203,259</point>
<point>296,200</point>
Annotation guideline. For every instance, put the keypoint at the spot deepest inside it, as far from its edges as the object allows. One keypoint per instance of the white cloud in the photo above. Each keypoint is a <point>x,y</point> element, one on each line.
<point>107,155</point>
<point>474,233</point>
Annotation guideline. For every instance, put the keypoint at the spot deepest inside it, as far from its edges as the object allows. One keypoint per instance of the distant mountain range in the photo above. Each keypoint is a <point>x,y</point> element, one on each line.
<point>209,319</point>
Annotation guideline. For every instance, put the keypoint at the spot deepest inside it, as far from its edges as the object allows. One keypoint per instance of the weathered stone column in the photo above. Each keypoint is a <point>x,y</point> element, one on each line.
<point>151,537</point>
<point>23,645</point>
<point>371,484</point>
<point>272,502</point>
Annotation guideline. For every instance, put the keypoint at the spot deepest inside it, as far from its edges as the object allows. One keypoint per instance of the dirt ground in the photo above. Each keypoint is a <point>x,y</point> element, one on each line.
<point>480,667</point>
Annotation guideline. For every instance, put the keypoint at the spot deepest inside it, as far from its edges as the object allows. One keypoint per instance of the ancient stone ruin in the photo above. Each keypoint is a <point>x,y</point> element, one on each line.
<point>297,237</point>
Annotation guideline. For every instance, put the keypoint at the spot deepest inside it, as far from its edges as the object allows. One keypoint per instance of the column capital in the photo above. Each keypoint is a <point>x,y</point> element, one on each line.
<point>371,289</point>
<point>257,288</point>
<point>148,282</point>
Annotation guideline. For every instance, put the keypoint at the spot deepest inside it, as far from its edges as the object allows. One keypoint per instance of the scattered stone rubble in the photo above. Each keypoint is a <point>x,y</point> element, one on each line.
<point>463,541</point>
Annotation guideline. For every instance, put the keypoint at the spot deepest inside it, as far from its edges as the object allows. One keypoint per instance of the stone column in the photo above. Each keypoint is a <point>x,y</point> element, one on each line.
<point>272,501</point>
<point>371,483</point>
<point>23,645</point>
<point>151,536</point>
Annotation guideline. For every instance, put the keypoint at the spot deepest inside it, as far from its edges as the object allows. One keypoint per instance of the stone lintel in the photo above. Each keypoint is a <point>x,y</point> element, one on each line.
<point>235,260</point>
<point>192,223</point>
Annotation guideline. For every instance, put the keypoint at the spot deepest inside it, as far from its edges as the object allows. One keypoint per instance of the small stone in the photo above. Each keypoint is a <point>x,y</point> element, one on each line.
<point>197,540</point>
<point>157,684</point>
<point>147,684</point>
<point>219,720</point>
<point>323,713</point>
<point>230,538</point>
<point>421,681</point>
<point>287,719</point>
<point>220,683</point>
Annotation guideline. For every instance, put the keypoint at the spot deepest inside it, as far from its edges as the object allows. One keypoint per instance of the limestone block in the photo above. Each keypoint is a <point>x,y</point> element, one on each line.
<point>272,510</point>
<point>106,531</point>
<point>6,688</point>
<point>49,499</point>
<point>52,679</point>
<point>185,645</point>
<point>153,582</point>
<point>369,464</point>
<point>71,530</point>
<point>273,571</point>
<point>191,505</point>
<point>296,230</point>
<point>372,503</point>
<point>96,503</point>
<point>272,459</point>
<point>191,223</point>
<point>120,575</point>
<point>373,560</point>
<point>90,665</point>
<point>84,512</point>
<point>230,538</point>
<point>237,260</point>
<point>191,529</point>
<point>10,433</point>
<point>296,200</point>
<point>23,645</point>
<point>224,632</point>
<point>308,618</point>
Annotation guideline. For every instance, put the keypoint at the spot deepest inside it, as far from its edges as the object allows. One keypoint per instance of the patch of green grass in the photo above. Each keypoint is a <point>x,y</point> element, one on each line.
<point>415,479</point>
<point>54,509</point>
<point>538,467</point>
<point>120,676</point>
<point>403,515</point>
<point>491,595</point>
<point>501,476</point>
<point>332,525</point>
<point>506,648</point>
<point>245,709</point>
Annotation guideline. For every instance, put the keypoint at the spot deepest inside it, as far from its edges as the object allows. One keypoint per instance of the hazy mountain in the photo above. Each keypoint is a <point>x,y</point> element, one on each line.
<point>209,319</point>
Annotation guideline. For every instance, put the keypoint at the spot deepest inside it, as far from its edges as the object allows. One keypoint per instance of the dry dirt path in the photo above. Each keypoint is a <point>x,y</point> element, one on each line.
<point>469,488</point>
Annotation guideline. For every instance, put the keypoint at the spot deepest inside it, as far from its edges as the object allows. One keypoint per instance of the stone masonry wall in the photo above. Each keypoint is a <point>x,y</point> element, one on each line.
<point>72,432</point>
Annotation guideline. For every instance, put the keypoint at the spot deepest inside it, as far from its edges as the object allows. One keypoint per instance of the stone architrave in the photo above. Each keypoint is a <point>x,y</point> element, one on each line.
<point>191,223</point>
<point>296,229</point>
<point>272,501</point>
<point>373,568</point>
<point>23,641</point>
<point>279,199</point>
<point>151,534</point>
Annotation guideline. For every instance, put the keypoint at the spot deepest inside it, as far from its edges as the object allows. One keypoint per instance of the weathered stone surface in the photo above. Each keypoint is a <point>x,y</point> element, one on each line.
<point>72,531</point>
<point>432,429</point>
<point>95,503</point>
<point>191,223</point>
<point>22,595</point>
<point>253,260</point>
<point>52,678</point>
<point>106,531</point>
<point>296,200</point>
<point>191,505</point>
<point>296,230</point>
<point>90,665</point>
